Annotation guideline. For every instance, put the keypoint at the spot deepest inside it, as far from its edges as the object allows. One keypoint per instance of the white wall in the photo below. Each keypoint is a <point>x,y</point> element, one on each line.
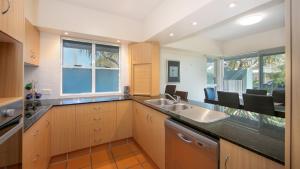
<point>264,40</point>
<point>198,43</point>
<point>48,74</point>
<point>59,15</point>
<point>192,72</point>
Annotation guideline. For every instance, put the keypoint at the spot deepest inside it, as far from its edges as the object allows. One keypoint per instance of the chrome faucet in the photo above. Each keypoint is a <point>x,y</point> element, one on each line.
<point>177,99</point>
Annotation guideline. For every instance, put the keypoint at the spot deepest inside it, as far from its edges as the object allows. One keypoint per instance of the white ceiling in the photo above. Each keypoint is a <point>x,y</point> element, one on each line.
<point>134,9</point>
<point>228,30</point>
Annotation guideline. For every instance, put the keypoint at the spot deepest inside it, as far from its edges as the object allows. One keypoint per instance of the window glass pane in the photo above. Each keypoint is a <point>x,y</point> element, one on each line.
<point>77,80</point>
<point>241,74</point>
<point>107,56</point>
<point>107,80</point>
<point>273,72</point>
<point>211,70</point>
<point>77,54</point>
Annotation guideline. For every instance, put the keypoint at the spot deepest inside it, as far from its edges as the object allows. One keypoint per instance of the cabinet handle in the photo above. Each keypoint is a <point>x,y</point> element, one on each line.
<point>97,129</point>
<point>36,133</point>
<point>184,138</point>
<point>48,123</point>
<point>8,7</point>
<point>37,156</point>
<point>226,161</point>
<point>97,118</point>
<point>150,119</point>
<point>147,117</point>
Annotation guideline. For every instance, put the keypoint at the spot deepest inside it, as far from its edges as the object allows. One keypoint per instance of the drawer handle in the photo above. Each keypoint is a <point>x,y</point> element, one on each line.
<point>36,133</point>
<point>184,138</point>
<point>98,129</point>
<point>37,156</point>
<point>97,118</point>
<point>8,7</point>
<point>226,161</point>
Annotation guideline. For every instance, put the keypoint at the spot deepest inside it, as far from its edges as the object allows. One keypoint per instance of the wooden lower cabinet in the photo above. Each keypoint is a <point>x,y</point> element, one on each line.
<point>235,157</point>
<point>149,132</point>
<point>63,124</point>
<point>36,145</point>
<point>124,120</point>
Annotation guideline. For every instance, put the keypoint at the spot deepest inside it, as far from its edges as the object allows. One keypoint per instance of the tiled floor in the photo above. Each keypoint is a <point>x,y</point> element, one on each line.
<point>122,155</point>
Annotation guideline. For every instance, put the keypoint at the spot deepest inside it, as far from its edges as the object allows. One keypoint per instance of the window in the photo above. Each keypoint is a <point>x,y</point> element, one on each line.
<point>89,67</point>
<point>211,70</point>
<point>260,70</point>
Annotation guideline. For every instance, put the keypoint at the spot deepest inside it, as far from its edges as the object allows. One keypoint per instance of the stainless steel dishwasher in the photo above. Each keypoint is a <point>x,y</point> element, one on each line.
<point>189,149</point>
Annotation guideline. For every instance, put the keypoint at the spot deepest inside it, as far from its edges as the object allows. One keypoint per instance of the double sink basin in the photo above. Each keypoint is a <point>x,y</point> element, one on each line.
<point>186,110</point>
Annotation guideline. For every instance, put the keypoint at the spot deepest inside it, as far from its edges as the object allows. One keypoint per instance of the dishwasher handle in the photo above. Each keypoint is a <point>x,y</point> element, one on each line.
<point>184,138</point>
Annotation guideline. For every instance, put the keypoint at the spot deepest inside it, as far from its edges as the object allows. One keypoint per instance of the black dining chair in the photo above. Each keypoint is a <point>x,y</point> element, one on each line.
<point>256,92</point>
<point>279,96</point>
<point>210,96</point>
<point>229,99</point>
<point>170,89</point>
<point>183,95</point>
<point>259,104</point>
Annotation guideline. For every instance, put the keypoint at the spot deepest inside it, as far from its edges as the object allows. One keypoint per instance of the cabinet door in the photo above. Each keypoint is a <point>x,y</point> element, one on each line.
<point>124,120</point>
<point>32,44</point>
<point>157,154</point>
<point>44,141</point>
<point>141,53</point>
<point>235,157</point>
<point>103,123</point>
<point>82,126</point>
<point>30,148</point>
<point>13,22</point>
<point>141,79</point>
<point>62,129</point>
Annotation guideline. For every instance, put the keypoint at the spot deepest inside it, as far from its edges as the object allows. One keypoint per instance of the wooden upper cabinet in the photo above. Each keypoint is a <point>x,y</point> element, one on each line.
<point>235,157</point>
<point>141,53</point>
<point>13,21</point>
<point>144,68</point>
<point>32,44</point>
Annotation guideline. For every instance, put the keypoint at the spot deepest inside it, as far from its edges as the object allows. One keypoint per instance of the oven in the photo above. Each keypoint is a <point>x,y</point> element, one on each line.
<point>11,129</point>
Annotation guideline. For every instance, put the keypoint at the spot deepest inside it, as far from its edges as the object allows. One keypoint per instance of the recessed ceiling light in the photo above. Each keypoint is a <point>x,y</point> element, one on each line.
<point>118,41</point>
<point>232,5</point>
<point>66,33</point>
<point>171,34</point>
<point>194,23</point>
<point>251,19</point>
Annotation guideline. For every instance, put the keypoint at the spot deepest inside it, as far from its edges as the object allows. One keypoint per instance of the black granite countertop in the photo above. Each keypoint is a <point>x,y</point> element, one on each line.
<point>259,133</point>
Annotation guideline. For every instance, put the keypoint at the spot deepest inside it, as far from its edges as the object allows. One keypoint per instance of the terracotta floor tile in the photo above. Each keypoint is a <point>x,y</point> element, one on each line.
<point>126,161</point>
<point>148,165</point>
<point>137,167</point>
<point>134,147</point>
<point>58,158</point>
<point>79,153</point>
<point>121,150</point>
<point>141,157</point>
<point>79,162</point>
<point>105,165</point>
<point>62,165</point>
<point>100,148</point>
<point>100,156</point>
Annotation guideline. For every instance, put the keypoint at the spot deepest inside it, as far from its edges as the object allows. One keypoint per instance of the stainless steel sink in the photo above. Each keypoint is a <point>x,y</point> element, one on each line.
<point>177,107</point>
<point>186,110</point>
<point>160,102</point>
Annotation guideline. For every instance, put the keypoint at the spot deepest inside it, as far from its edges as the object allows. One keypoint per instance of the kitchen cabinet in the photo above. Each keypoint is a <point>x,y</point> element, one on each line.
<point>32,44</point>
<point>13,21</point>
<point>36,145</point>
<point>63,124</point>
<point>103,123</point>
<point>144,68</point>
<point>235,157</point>
<point>124,120</point>
<point>149,132</point>
<point>81,139</point>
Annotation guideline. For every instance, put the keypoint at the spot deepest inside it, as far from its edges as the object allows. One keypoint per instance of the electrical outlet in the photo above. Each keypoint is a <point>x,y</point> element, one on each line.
<point>46,91</point>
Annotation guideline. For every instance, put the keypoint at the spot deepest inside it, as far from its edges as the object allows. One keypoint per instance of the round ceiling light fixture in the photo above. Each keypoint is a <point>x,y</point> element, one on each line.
<point>66,33</point>
<point>251,19</point>
<point>232,5</point>
<point>194,23</point>
<point>171,34</point>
